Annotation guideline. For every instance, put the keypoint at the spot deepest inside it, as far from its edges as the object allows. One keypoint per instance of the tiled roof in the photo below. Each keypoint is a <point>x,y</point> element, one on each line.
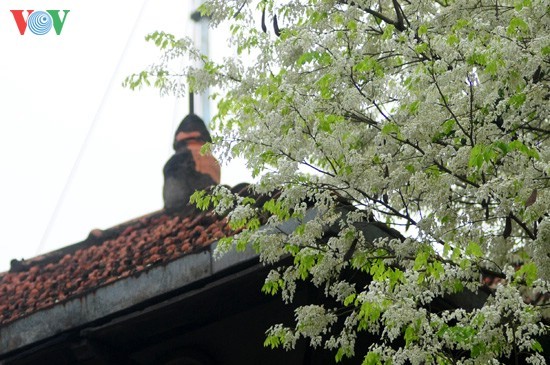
<point>105,257</point>
<point>119,252</point>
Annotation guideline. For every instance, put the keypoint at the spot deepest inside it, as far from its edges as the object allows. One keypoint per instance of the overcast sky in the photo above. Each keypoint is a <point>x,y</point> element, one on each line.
<point>77,150</point>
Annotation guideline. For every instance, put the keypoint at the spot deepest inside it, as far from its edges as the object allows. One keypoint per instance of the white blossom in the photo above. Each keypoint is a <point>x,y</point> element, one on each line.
<point>428,116</point>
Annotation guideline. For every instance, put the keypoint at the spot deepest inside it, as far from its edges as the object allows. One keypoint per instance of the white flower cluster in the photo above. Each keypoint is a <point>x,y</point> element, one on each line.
<point>428,116</point>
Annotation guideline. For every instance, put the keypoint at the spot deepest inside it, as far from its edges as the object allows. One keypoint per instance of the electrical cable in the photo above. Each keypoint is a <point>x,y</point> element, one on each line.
<point>89,133</point>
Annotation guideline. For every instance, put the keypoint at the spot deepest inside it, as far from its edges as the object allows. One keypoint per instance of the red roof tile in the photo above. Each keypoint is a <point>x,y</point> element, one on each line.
<point>105,257</point>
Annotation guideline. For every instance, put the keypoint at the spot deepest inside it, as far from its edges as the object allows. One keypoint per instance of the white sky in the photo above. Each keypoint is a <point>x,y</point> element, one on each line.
<point>53,89</point>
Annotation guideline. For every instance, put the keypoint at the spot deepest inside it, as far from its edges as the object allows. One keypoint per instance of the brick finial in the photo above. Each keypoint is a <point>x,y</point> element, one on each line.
<point>188,170</point>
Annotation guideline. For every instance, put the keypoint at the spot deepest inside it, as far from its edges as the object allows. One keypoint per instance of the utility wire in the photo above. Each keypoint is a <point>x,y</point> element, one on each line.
<point>84,146</point>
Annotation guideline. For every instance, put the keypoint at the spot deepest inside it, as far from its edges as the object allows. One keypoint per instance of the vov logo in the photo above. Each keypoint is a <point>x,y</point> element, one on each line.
<point>40,22</point>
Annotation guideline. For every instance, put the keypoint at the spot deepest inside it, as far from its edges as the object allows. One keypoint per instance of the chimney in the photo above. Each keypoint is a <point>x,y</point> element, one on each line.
<point>187,170</point>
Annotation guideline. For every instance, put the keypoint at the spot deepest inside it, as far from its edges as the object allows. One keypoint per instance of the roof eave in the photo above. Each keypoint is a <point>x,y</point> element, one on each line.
<point>117,297</point>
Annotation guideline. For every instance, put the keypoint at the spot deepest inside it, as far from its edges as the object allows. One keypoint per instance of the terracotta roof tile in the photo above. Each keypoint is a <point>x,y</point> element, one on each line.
<point>105,257</point>
<point>119,252</point>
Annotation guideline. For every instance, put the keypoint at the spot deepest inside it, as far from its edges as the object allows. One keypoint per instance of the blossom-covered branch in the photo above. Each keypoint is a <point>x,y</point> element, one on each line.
<point>409,143</point>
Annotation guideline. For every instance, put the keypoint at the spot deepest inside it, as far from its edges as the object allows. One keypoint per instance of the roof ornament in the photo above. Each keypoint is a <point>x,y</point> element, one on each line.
<point>189,170</point>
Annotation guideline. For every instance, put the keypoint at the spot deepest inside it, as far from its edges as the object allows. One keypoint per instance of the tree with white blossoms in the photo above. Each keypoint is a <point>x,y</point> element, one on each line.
<point>430,116</point>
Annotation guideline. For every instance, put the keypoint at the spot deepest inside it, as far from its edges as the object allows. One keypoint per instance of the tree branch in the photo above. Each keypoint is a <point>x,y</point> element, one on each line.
<point>523,225</point>
<point>399,14</point>
<point>399,26</point>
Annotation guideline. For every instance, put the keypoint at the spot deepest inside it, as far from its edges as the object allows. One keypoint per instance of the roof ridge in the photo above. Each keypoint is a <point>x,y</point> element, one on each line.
<point>95,237</point>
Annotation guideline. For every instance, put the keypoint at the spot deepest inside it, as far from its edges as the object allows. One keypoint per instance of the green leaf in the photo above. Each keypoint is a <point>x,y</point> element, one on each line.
<point>276,207</point>
<point>517,25</point>
<point>502,146</point>
<point>272,341</point>
<point>423,29</point>
<point>433,171</point>
<point>460,24</point>
<point>421,48</point>
<point>458,286</point>
<point>390,128</point>
<point>517,100</point>
<point>413,107</point>
<point>453,39</point>
<point>473,249</point>
<point>479,59</point>
<point>201,199</point>
<point>368,314</point>
<point>517,145</point>
<point>448,126</point>
<point>410,335</point>
<point>476,156</point>
<point>370,64</point>
<point>343,351</point>
<point>378,270</point>
<point>388,32</point>
<point>253,224</point>
<point>248,201</point>
<point>421,260</point>
<point>528,272</point>
<point>461,333</point>
<point>447,129</point>
<point>241,243</point>
<point>350,299</point>
<point>372,358</point>
<point>272,287</point>
<point>536,346</point>
<point>520,4</point>
<point>478,349</point>
<point>493,66</point>
<point>305,262</point>
<point>436,269</point>
<point>396,276</point>
<point>325,86</point>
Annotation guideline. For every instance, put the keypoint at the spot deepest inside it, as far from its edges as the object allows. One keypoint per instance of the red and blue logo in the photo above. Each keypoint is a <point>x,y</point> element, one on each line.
<point>40,22</point>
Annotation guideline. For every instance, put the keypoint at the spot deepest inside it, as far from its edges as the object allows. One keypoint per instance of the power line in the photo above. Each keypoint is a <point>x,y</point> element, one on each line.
<point>89,133</point>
